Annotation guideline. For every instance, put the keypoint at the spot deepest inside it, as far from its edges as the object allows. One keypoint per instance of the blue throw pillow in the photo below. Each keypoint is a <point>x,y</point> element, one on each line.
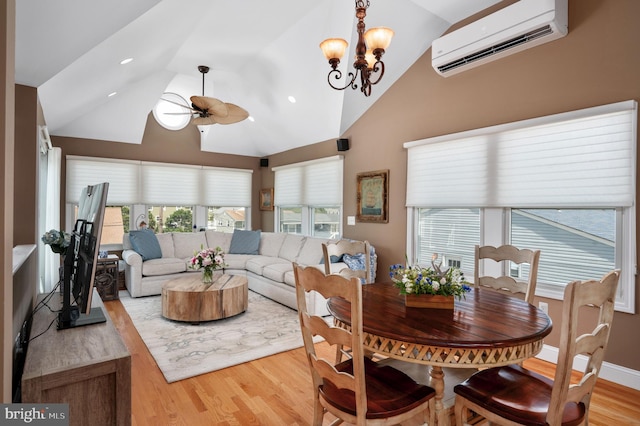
<point>332,258</point>
<point>146,244</point>
<point>245,242</point>
<point>354,262</point>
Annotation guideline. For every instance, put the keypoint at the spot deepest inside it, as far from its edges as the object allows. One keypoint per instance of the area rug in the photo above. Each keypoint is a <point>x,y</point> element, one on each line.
<point>184,350</point>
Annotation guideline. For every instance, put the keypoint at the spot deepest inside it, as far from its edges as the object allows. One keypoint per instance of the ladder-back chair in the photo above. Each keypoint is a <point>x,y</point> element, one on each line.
<point>357,390</point>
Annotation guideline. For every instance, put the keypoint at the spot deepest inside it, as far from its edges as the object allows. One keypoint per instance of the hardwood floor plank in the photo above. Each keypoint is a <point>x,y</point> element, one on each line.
<point>276,390</point>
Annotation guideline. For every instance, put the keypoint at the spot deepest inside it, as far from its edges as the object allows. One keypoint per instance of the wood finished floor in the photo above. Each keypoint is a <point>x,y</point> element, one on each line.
<point>276,390</point>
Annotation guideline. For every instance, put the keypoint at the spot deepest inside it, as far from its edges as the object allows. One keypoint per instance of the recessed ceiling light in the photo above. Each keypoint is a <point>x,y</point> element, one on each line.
<point>112,94</point>
<point>251,118</point>
<point>126,61</point>
<point>292,99</point>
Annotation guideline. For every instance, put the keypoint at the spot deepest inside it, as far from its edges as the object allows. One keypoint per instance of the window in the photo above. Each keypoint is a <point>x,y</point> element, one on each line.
<point>170,219</point>
<point>226,219</point>
<point>290,219</point>
<point>564,184</point>
<point>308,197</point>
<point>326,222</point>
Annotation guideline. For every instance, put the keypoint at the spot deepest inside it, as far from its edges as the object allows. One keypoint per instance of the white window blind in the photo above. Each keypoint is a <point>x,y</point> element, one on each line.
<point>172,184</point>
<point>311,183</point>
<point>136,182</point>
<point>122,176</point>
<point>582,158</point>
<point>226,187</point>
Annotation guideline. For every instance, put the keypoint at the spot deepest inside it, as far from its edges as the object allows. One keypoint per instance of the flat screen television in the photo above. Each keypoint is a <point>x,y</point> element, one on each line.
<point>81,260</point>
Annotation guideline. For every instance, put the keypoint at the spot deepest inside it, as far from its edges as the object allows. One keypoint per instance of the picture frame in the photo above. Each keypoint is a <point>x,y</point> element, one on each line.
<point>266,199</point>
<point>373,197</point>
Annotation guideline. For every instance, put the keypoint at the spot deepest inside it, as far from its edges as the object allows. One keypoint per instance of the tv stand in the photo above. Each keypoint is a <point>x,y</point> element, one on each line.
<point>88,368</point>
<point>74,318</point>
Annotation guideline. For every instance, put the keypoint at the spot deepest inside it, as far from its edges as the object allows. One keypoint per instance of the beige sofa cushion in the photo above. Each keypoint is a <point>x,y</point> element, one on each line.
<point>237,261</point>
<point>271,243</point>
<point>166,245</point>
<point>257,263</point>
<point>164,266</point>
<point>186,243</point>
<point>219,239</point>
<point>291,247</point>
<point>311,253</point>
<point>277,271</point>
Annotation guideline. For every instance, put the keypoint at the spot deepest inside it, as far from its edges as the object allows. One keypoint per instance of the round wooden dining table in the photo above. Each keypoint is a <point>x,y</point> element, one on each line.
<point>484,329</point>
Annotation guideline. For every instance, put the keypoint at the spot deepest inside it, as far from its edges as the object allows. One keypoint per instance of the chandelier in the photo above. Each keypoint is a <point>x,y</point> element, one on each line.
<point>369,50</point>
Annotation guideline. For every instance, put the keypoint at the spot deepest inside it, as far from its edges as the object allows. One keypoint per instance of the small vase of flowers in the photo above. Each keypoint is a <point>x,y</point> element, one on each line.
<point>209,260</point>
<point>57,240</point>
<point>429,287</point>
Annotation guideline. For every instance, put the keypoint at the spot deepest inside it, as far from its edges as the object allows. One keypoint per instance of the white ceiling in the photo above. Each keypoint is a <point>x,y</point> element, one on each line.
<point>260,52</point>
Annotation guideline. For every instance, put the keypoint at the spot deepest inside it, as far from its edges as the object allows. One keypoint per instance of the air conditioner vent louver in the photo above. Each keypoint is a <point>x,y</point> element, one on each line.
<point>493,50</point>
<point>517,27</point>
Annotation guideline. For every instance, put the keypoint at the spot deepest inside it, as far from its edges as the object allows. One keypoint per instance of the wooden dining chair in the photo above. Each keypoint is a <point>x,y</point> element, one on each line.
<point>505,283</point>
<point>513,395</point>
<point>357,390</point>
<point>334,252</point>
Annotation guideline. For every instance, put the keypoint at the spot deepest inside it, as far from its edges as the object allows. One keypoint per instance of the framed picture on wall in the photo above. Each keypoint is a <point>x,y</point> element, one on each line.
<point>373,197</point>
<point>266,199</point>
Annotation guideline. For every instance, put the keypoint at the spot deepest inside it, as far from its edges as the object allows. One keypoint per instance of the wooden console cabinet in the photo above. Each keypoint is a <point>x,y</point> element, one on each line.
<point>87,367</point>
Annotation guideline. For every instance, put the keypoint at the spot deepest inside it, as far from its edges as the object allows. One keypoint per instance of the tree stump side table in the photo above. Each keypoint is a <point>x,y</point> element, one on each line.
<point>188,299</point>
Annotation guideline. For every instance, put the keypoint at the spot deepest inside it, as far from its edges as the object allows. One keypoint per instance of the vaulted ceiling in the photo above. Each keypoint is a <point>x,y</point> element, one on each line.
<point>260,53</point>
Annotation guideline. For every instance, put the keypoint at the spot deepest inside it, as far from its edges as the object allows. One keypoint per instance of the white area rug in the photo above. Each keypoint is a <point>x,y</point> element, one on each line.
<point>183,350</point>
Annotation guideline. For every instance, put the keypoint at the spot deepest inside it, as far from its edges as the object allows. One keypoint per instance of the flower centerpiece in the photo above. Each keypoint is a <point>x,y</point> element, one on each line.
<point>415,282</point>
<point>209,259</point>
<point>57,240</point>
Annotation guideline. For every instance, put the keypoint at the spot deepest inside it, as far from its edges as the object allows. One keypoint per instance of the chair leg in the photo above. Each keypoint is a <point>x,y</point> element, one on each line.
<point>318,409</point>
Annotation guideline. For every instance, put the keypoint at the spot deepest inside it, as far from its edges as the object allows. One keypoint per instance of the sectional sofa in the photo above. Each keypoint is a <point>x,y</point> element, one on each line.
<point>265,258</point>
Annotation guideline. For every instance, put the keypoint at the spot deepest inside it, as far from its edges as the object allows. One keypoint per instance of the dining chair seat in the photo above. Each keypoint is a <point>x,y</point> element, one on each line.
<point>390,392</point>
<point>517,394</point>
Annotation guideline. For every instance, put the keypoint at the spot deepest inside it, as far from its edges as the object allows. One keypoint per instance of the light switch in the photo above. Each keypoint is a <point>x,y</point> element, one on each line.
<point>351,220</point>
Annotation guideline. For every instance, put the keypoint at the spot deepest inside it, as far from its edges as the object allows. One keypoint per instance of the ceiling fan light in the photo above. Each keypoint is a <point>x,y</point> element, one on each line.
<point>378,38</point>
<point>333,48</point>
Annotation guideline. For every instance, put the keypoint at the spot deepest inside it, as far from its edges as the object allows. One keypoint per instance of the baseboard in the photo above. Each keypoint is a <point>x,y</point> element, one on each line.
<point>611,372</point>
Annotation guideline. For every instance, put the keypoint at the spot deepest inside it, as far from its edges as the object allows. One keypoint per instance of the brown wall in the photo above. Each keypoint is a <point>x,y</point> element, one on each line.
<point>26,176</point>
<point>597,63</point>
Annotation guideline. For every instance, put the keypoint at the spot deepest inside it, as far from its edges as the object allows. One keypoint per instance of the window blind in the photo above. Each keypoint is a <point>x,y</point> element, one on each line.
<point>311,183</point>
<point>122,176</point>
<point>136,182</point>
<point>584,158</point>
<point>226,187</point>
<point>170,184</point>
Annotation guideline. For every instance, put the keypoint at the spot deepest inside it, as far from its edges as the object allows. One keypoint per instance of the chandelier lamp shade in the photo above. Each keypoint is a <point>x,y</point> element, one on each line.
<point>368,58</point>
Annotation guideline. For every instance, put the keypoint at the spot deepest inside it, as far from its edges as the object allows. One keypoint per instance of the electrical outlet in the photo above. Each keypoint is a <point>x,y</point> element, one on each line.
<point>544,307</point>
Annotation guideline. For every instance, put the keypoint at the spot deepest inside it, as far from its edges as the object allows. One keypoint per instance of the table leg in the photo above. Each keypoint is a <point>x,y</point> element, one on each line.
<point>437,383</point>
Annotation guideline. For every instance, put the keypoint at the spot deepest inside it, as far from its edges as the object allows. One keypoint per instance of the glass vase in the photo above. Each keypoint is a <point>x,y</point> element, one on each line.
<point>207,275</point>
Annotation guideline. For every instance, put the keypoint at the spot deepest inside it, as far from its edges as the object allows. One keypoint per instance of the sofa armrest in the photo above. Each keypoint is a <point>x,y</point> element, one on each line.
<point>132,258</point>
<point>132,272</point>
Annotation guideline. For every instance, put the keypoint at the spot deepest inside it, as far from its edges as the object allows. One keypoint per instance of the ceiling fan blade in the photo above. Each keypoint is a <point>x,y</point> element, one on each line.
<point>177,103</point>
<point>212,106</point>
<point>236,114</point>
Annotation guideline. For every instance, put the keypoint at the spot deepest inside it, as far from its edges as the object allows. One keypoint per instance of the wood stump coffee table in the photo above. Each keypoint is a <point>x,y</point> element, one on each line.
<point>189,299</point>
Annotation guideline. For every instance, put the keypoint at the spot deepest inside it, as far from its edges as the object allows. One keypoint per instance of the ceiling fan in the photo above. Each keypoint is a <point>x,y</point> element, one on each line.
<point>206,110</point>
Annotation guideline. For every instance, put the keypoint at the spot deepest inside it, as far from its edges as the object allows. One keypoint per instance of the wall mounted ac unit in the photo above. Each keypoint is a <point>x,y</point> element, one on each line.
<point>517,27</point>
